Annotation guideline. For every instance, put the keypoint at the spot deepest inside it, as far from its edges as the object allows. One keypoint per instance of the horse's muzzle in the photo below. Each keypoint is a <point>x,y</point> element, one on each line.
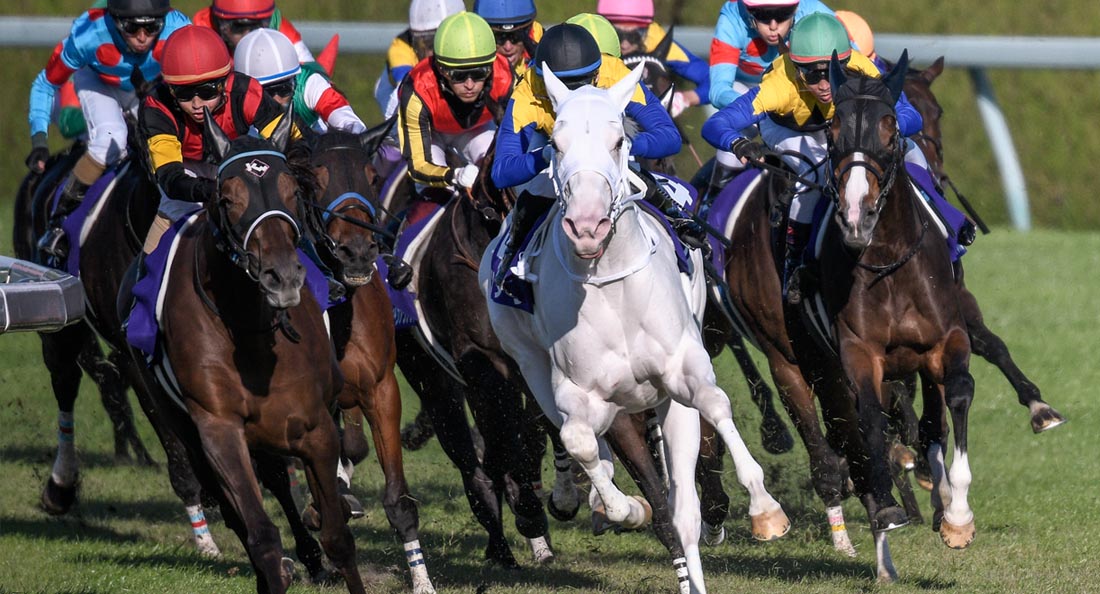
<point>588,235</point>
<point>357,258</point>
<point>282,284</point>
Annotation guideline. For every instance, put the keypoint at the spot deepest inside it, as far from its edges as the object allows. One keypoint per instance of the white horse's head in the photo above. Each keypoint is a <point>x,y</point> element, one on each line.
<point>591,151</point>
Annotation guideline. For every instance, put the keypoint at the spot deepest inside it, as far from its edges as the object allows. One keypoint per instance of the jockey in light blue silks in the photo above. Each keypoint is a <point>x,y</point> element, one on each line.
<point>108,53</point>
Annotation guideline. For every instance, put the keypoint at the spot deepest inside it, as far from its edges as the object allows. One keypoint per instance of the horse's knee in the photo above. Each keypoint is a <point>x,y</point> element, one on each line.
<point>580,441</point>
<point>958,390</point>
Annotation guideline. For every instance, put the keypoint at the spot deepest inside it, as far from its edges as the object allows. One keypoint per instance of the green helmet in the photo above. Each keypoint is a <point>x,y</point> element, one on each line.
<point>464,39</point>
<point>602,29</point>
<point>815,37</point>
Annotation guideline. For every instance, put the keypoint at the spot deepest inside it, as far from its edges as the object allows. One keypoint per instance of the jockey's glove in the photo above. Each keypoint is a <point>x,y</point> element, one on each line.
<point>40,153</point>
<point>466,175</point>
<point>747,149</point>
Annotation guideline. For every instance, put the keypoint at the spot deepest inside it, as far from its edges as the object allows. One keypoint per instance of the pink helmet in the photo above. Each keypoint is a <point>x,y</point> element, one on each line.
<point>627,12</point>
<point>762,3</point>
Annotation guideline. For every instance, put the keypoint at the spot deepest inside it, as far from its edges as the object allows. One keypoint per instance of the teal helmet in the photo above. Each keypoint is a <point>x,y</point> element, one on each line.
<point>815,37</point>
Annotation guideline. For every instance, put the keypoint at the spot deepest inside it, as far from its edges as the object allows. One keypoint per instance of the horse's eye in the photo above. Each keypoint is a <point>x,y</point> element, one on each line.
<point>619,144</point>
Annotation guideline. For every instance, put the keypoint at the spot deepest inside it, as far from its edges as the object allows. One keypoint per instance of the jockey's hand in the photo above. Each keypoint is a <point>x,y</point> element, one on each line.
<point>682,100</point>
<point>748,150</point>
<point>548,153</point>
<point>40,153</point>
<point>466,175</point>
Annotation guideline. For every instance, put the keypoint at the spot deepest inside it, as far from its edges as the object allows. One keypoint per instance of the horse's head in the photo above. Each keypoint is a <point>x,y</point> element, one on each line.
<point>341,215</point>
<point>918,88</point>
<point>591,150</point>
<point>866,149</point>
<point>656,75</point>
<point>252,212</point>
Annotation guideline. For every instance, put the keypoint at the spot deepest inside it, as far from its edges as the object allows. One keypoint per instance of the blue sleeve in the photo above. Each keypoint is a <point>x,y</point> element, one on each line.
<point>513,165</point>
<point>909,119</point>
<point>730,34</point>
<point>695,70</point>
<point>398,74</point>
<point>725,126</point>
<point>722,92</point>
<point>43,93</point>
<point>659,136</point>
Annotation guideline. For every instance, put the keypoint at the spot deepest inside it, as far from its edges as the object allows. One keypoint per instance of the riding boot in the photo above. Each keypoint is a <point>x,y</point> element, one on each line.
<point>798,236</point>
<point>336,289</point>
<point>84,174</point>
<point>399,273</point>
<point>525,213</point>
<point>687,228</point>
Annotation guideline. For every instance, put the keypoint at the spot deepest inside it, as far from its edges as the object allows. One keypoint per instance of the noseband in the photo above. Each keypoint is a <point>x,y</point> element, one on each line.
<point>233,237</point>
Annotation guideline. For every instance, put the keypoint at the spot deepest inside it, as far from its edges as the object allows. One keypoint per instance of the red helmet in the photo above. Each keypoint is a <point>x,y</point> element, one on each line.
<point>194,54</point>
<point>242,9</point>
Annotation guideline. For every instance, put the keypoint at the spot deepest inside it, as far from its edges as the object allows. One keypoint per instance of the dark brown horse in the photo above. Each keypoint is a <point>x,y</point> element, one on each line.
<point>883,281</point>
<point>341,216</point>
<point>249,353</point>
<point>120,219</point>
<point>985,343</point>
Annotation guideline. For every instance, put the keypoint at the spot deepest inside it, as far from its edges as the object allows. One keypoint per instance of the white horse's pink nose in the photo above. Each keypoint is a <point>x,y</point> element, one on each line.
<point>587,234</point>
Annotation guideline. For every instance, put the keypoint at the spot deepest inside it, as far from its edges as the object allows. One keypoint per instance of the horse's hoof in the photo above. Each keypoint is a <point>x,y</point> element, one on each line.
<point>770,525</point>
<point>600,523</point>
<point>647,516</point>
<point>713,535</point>
<point>889,518</point>
<point>311,518</point>
<point>774,436</point>
<point>957,537</point>
<point>355,509</point>
<point>903,456</point>
<point>286,571</point>
<point>559,514</point>
<point>501,555</point>
<point>58,500</point>
<point>1046,419</point>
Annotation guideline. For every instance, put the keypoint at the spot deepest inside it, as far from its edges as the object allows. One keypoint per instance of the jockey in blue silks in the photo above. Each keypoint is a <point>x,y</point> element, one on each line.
<point>108,53</point>
<point>522,151</point>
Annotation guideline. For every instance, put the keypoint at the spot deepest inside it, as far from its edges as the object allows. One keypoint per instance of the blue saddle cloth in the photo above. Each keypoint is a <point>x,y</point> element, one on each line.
<point>74,222</point>
<point>142,327</point>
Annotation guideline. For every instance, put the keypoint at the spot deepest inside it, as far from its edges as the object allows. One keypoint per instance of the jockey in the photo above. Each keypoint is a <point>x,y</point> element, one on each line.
<point>268,56</point>
<point>514,26</point>
<point>601,29</point>
<point>233,19</point>
<point>749,36</point>
<point>410,47</point>
<point>793,106</point>
<point>108,53</point>
<point>523,153</point>
<point>198,74</point>
<point>633,20</point>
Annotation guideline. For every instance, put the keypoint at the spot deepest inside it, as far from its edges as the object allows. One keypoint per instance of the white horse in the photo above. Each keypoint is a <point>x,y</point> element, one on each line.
<point>616,327</point>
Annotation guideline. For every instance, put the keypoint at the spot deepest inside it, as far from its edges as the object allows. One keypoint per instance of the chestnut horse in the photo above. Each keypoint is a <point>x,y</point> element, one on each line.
<point>341,217</point>
<point>249,355</point>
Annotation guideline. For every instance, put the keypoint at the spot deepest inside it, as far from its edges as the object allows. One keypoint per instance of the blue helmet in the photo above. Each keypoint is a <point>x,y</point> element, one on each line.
<point>505,14</point>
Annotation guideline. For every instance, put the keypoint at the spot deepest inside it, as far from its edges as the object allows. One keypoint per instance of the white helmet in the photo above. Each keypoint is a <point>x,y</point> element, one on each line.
<point>267,56</point>
<point>425,15</point>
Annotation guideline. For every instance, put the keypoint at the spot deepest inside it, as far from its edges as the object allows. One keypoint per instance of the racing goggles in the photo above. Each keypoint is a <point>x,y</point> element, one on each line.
<point>206,91</point>
<point>282,88</point>
<point>515,35</point>
<point>241,26</point>
<point>634,36</point>
<point>778,14</point>
<point>814,74</point>
<point>575,82</point>
<point>476,74</point>
<point>132,25</point>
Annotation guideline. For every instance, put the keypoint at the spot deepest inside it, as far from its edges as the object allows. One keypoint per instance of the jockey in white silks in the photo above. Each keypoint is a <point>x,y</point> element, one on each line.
<point>616,328</point>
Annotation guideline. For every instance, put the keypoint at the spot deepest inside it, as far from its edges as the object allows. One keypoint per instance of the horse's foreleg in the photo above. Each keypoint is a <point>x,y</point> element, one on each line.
<point>224,444</point>
<point>990,347</point>
<point>774,435</point>
<point>320,453</point>
<point>564,500</point>
<point>59,352</point>
<point>273,473</point>
<point>715,504</point>
<point>957,530</point>
<point>383,412</point>
<point>580,441</point>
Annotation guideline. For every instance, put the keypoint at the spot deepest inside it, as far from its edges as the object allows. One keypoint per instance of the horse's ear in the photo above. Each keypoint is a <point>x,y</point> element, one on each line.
<point>661,51</point>
<point>372,139</point>
<point>280,136</point>
<point>667,96</point>
<point>896,79</point>
<point>214,137</point>
<point>622,91</point>
<point>554,87</point>
<point>933,72</point>
<point>837,78</point>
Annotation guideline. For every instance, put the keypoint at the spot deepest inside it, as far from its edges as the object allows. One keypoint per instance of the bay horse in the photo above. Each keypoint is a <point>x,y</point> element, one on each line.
<point>246,347</point>
<point>613,329</point>
<point>119,219</point>
<point>983,341</point>
<point>886,287</point>
<point>341,218</point>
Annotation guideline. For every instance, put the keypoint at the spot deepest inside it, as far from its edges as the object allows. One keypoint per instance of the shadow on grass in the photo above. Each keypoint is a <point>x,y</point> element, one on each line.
<point>65,528</point>
<point>44,454</point>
